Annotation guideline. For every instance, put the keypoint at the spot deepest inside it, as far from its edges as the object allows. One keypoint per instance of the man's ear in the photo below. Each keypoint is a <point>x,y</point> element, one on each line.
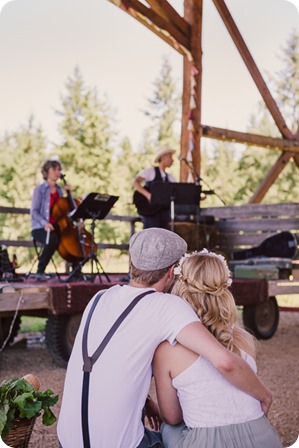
<point>169,279</point>
<point>170,271</point>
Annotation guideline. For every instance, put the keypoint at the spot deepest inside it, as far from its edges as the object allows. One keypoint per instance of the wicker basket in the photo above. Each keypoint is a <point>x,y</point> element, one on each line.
<point>20,433</point>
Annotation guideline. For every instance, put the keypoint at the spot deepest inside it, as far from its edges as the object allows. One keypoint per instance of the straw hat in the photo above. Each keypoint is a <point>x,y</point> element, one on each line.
<point>161,152</point>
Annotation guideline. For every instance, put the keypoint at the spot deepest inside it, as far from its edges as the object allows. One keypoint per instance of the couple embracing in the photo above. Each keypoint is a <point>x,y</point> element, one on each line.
<point>203,361</point>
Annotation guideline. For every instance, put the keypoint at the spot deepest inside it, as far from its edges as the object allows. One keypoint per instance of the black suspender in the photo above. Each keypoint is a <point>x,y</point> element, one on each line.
<point>88,361</point>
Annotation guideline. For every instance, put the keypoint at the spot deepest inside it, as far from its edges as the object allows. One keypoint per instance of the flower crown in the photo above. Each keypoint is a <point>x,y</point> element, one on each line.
<point>178,269</point>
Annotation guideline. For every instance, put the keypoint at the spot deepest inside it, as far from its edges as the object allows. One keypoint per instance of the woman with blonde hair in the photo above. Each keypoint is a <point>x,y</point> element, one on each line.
<point>199,407</point>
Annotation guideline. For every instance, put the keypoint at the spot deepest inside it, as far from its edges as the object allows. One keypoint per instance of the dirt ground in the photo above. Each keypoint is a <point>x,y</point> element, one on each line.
<point>278,367</point>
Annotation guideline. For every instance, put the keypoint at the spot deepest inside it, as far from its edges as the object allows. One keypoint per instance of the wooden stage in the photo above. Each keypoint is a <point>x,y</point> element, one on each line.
<point>61,297</point>
<point>54,296</point>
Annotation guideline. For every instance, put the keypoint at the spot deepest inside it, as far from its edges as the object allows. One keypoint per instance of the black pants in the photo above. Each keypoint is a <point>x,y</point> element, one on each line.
<point>49,249</point>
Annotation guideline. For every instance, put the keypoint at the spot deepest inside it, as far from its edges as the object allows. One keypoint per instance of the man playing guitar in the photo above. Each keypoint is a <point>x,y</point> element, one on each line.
<point>153,215</point>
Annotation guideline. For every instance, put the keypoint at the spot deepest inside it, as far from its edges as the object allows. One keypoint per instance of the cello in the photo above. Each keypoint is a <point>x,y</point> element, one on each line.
<point>75,242</point>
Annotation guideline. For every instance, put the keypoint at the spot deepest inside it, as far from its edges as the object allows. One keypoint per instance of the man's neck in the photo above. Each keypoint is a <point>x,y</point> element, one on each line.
<point>159,286</point>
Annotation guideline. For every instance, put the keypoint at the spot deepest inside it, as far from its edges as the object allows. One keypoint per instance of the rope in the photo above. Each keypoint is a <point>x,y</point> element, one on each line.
<point>12,322</point>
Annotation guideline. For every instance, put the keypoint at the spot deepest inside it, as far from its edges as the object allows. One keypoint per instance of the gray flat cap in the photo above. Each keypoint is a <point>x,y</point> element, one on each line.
<point>155,248</point>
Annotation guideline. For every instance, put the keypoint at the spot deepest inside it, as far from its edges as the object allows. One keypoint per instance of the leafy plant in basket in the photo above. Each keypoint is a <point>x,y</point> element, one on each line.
<point>20,398</point>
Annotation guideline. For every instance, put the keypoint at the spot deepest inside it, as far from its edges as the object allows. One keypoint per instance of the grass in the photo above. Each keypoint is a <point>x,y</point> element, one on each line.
<point>32,324</point>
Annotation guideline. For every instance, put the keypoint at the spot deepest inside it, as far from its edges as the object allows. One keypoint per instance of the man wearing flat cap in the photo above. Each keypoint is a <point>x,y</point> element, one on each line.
<point>120,379</point>
<point>153,215</point>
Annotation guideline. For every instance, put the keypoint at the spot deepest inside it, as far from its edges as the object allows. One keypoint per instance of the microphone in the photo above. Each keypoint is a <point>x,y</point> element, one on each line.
<point>62,176</point>
<point>189,164</point>
<point>207,192</point>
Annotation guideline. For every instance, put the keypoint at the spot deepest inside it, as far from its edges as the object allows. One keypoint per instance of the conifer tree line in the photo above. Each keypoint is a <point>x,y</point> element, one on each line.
<point>96,159</point>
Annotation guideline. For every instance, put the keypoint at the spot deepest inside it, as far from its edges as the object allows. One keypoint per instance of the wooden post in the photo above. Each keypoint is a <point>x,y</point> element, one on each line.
<point>186,99</point>
<point>196,51</point>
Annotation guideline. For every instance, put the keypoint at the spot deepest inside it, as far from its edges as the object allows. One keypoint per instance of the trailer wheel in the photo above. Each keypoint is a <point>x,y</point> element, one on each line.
<point>5,324</point>
<point>60,336</point>
<point>262,319</point>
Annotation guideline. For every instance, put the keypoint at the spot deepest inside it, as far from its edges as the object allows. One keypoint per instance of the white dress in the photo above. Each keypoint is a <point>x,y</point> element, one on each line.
<point>217,414</point>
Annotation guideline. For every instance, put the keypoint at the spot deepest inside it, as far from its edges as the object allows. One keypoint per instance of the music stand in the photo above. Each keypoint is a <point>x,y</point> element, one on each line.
<point>172,193</point>
<point>94,206</point>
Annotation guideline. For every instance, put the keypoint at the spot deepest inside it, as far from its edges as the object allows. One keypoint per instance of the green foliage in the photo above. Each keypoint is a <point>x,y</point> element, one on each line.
<point>163,111</point>
<point>86,137</point>
<point>219,166</point>
<point>21,154</point>
<point>86,148</point>
<point>124,170</point>
<point>19,399</point>
<point>32,324</point>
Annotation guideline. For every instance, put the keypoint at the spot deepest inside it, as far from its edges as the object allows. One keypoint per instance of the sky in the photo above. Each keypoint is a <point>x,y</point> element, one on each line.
<point>41,42</point>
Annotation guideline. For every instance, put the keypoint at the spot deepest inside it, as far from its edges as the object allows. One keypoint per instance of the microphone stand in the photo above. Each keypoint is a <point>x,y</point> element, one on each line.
<point>198,179</point>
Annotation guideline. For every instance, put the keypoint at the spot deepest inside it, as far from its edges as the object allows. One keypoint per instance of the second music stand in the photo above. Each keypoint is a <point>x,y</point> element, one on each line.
<point>94,206</point>
<point>172,193</point>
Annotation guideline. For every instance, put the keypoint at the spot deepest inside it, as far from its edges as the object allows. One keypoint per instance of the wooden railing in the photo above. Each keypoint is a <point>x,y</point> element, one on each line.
<point>248,225</point>
<point>29,243</point>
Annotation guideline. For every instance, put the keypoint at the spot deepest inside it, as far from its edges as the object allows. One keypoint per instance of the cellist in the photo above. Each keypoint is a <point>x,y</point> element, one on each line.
<point>44,229</point>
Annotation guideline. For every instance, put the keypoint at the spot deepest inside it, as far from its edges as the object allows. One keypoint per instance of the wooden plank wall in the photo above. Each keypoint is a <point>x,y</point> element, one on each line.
<point>248,225</point>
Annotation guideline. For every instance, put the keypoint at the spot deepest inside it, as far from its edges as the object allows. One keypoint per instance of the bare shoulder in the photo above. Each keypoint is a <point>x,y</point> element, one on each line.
<point>167,352</point>
<point>164,349</point>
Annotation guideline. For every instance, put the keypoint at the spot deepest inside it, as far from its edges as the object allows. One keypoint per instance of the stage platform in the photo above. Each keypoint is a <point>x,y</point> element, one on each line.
<point>55,296</point>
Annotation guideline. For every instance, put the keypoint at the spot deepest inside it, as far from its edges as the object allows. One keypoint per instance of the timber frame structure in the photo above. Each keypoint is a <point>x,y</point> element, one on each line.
<point>184,34</point>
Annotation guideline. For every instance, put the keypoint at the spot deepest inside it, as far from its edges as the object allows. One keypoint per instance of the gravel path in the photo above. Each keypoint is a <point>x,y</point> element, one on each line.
<point>278,366</point>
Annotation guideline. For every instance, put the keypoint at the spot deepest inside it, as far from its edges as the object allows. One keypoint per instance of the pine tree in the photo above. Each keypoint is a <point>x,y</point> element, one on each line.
<point>163,110</point>
<point>86,130</point>
<point>219,174</point>
<point>87,146</point>
<point>22,153</point>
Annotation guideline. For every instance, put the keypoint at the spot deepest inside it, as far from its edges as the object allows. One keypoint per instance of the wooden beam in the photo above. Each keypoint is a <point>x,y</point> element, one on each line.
<point>16,210</point>
<point>296,159</point>
<point>196,52</point>
<point>159,21</point>
<point>186,98</point>
<point>252,68</point>
<point>158,9</point>
<point>270,178</point>
<point>165,10</point>
<point>31,299</point>
<point>185,132</point>
<point>250,139</point>
<point>166,37</point>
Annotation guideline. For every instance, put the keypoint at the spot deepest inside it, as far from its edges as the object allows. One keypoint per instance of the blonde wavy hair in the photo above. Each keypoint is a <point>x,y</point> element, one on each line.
<point>203,281</point>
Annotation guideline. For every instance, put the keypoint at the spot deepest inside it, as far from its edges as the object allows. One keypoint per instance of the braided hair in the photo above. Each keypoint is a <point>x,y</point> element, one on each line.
<point>204,281</point>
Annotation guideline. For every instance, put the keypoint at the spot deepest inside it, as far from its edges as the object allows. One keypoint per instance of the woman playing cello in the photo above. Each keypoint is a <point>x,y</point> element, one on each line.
<point>44,227</point>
